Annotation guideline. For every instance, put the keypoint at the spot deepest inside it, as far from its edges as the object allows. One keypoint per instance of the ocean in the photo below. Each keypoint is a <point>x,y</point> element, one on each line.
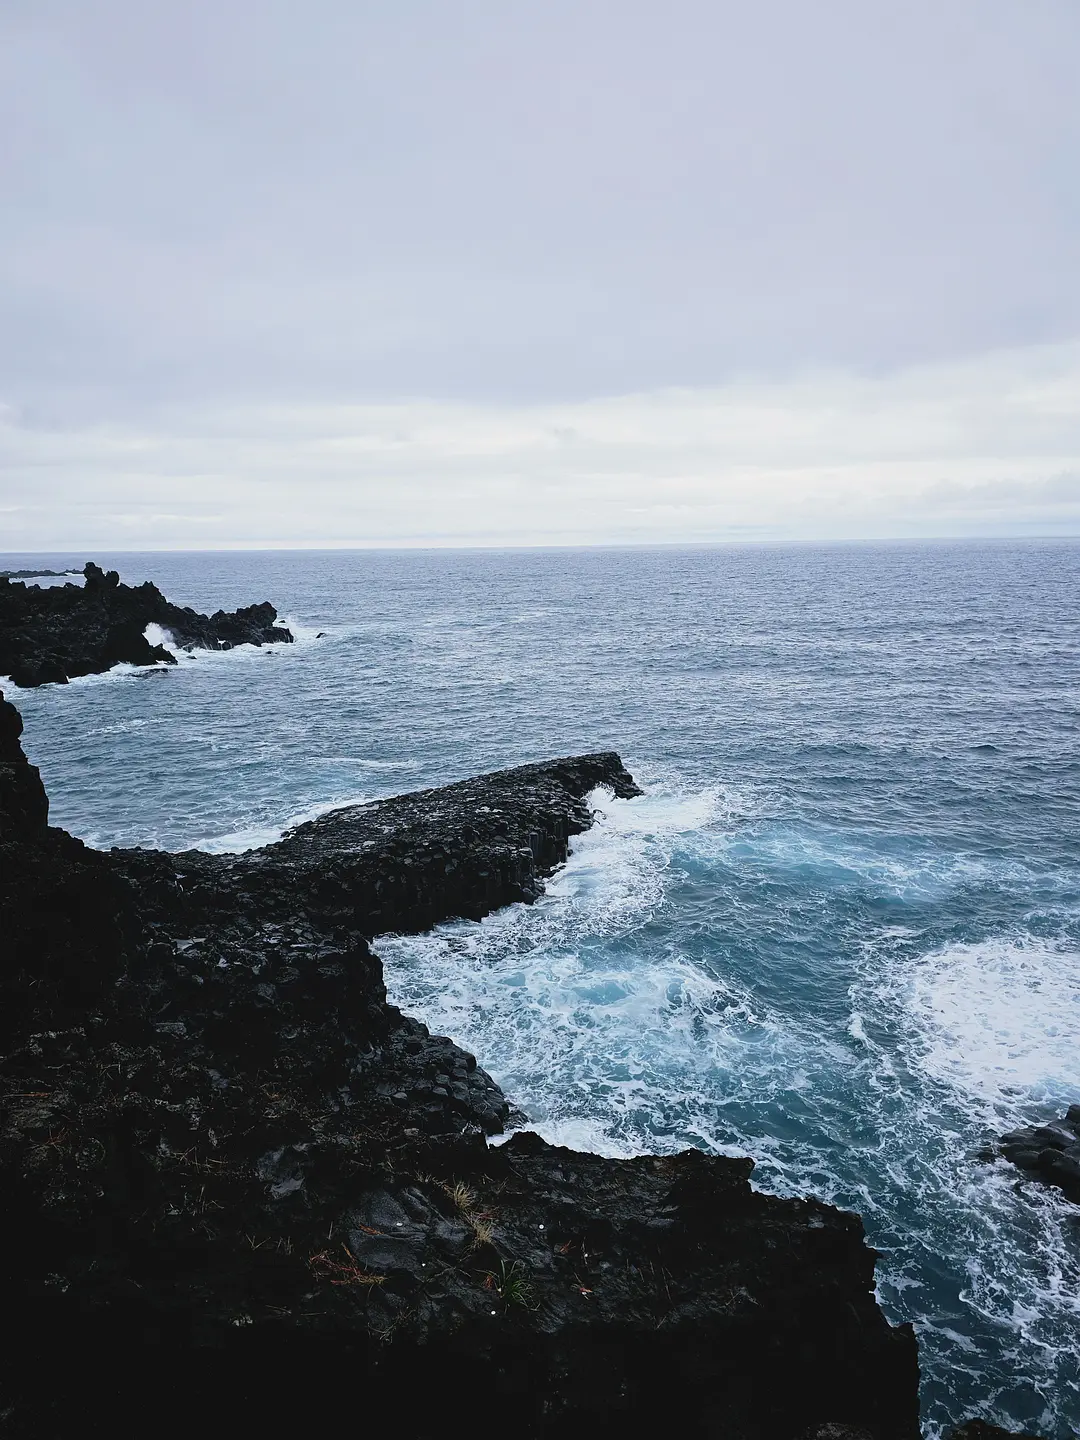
<point>839,933</point>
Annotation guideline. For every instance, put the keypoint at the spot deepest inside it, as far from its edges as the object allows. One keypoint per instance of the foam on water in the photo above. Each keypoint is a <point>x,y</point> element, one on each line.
<point>118,673</point>
<point>614,1036</point>
<point>158,635</point>
<point>256,837</point>
<point>589,1030</point>
<point>155,635</point>
<point>302,633</point>
<point>1000,1020</point>
<point>962,1041</point>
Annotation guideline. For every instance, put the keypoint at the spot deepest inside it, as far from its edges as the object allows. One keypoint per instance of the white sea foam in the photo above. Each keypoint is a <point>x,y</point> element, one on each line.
<point>603,1037</point>
<point>160,635</point>
<point>157,636</point>
<point>302,633</point>
<point>832,859</point>
<point>998,1019</point>
<point>125,727</point>
<point>117,674</point>
<point>258,836</point>
<point>614,1034</point>
<point>963,1040</point>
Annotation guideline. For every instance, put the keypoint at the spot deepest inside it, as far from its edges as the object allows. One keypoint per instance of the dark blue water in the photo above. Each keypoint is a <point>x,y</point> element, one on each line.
<point>841,932</point>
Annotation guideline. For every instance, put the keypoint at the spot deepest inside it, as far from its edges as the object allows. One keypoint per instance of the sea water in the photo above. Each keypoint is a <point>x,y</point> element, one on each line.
<point>840,932</point>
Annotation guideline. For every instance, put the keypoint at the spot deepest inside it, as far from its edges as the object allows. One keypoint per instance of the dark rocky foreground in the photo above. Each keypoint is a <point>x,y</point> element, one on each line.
<point>54,633</point>
<point>1050,1153</point>
<point>242,1190</point>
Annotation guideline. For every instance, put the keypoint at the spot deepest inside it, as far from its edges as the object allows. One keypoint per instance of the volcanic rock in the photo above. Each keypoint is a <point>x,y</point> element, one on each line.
<point>53,633</point>
<point>24,805</point>
<point>982,1430</point>
<point>242,1191</point>
<point>1050,1153</point>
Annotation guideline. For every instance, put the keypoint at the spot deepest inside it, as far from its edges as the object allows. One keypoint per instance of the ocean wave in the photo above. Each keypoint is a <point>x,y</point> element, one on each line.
<point>590,1026</point>
<point>260,834</point>
<point>160,635</point>
<point>995,1020</point>
<point>615,1032</point>
<point>116,674</point>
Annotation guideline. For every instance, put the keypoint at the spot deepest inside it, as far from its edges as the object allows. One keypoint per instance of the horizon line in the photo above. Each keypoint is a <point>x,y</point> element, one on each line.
<point>274,547</point>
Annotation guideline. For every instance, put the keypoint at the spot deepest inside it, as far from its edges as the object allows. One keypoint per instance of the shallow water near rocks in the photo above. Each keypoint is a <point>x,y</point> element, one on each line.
<point>840,932</point>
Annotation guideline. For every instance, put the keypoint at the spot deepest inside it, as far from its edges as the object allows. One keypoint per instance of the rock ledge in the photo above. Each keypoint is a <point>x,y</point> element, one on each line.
<point>244,1192</point>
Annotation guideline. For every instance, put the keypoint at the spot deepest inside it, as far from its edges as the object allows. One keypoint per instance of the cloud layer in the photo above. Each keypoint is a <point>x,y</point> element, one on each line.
<point>240,236</point>
<point>986,446</point>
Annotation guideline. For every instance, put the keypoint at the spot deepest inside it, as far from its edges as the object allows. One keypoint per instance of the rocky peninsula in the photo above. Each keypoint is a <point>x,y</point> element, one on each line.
<point>51,634</point>
<point>244,1191</point>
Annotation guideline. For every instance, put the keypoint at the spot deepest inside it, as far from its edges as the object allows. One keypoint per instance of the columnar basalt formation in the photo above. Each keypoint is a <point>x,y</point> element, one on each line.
<point>242,1189</point>
<point>55,633</point>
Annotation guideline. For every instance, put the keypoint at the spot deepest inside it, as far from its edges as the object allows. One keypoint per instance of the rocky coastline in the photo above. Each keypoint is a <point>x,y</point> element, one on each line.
<point>243,1189</point>
<point>51,634</point>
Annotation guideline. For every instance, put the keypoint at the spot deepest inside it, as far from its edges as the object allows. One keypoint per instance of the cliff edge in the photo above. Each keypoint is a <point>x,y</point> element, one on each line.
<point>242,1189</point>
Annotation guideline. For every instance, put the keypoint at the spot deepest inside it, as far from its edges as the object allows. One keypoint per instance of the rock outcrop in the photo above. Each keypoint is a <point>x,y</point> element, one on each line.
<point>35,574</point>
<point>54,633</point>
<point>1050,1153</point>
<point>243,1191</point>
<point>983,1430</point>
<point>24,805</point>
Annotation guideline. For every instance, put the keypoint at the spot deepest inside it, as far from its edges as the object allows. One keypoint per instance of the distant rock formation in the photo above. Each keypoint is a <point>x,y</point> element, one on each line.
<point>54,633</point>
<point>35,574</point>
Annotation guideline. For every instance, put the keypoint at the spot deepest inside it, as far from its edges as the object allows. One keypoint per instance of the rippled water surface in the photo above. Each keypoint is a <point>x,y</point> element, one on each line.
<point>840,932</point>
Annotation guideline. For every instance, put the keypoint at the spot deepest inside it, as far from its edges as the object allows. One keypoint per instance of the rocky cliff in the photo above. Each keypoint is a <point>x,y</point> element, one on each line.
<point>243,1190</point>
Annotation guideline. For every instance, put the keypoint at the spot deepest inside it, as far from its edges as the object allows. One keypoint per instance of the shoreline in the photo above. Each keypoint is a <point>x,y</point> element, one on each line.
<point>244,1147</point>
<point>232,1161</point>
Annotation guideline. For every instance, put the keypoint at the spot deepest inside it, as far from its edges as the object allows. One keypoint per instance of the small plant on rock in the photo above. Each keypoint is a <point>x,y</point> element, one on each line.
<point>463,1198</point>
<point>511,1284</point>
<point>480,1222</point>
<point>483,1231</point>
<point>343,1271</point>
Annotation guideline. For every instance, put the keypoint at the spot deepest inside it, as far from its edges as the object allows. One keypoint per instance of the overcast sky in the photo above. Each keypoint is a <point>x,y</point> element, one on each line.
<point>487,271</point>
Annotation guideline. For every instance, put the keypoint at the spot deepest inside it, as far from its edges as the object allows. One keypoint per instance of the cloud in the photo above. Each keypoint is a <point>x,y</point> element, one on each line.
<point>691,272</point>
<point>987,445</point>
<point>494,199</point>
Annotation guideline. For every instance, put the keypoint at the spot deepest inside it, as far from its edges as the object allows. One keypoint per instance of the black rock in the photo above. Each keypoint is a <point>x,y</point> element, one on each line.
<point>52,634</point>
<point>235,1197</point>
<point>24,805</point>
<point>1050,1153</point>
<point>982,1430</point>
<point>34,574</point>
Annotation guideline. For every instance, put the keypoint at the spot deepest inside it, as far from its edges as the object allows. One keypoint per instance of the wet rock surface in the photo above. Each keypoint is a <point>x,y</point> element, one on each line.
<point>1050,1153</point>
<point>52,634</point>
<point>243,1190</point>
<point>983,1430</point>
<point>24,806</point>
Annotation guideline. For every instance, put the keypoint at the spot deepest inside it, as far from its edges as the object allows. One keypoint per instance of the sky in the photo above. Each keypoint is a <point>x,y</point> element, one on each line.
<point>427,272</point>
